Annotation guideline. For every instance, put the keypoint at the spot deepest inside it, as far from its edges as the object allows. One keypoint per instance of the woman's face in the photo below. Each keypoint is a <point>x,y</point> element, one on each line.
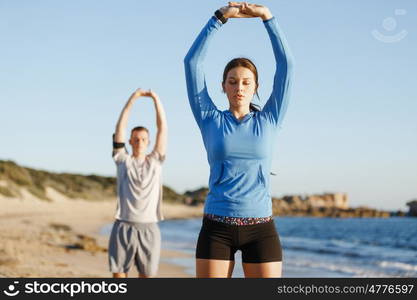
<point>240,86</point>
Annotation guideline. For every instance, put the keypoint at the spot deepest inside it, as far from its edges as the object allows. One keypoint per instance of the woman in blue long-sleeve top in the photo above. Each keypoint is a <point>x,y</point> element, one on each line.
<point>239,143</point>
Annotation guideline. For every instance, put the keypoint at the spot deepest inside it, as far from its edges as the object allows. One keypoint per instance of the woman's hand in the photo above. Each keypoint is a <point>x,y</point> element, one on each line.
<point>233,12</point>
<point>252,10</point>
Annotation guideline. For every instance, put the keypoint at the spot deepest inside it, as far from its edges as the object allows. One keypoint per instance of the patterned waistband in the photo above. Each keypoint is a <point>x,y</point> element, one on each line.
<point>238,220</point>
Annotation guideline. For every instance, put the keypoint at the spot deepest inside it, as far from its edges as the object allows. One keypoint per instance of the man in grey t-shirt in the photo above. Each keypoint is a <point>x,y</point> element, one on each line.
<point>135,237</point>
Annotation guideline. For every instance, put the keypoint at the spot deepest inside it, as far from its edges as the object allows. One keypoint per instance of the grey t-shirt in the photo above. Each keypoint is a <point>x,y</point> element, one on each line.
<point>139,187</point>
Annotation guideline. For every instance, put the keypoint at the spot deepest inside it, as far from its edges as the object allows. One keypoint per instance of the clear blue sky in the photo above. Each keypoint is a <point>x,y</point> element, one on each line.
<point>67,68</point>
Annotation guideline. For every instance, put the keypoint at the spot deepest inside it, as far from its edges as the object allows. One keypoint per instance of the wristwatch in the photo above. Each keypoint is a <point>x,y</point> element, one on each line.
<point>220,16</point>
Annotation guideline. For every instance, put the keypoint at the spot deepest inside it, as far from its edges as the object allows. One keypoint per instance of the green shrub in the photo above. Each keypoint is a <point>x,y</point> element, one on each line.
<point>6,192</point>
<point>10,170</point>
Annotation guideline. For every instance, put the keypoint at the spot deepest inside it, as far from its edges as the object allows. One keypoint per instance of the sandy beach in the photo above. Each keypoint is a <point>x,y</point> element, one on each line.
<point>62,238</point>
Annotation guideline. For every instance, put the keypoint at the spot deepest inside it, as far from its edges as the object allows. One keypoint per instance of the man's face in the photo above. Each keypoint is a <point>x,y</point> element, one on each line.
<point>139,140</point>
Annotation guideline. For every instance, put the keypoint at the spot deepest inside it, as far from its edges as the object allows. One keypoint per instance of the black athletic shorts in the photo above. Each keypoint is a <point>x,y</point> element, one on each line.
<point>259,243</point>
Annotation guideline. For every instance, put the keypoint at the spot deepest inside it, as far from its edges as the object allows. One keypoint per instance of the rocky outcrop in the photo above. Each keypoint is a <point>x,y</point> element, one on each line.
<point>311,203</point>
<point>325,205</point>
<point>412,205</point>
<point>61,235</point>
<point>196,197</point>
<point>324,201</point>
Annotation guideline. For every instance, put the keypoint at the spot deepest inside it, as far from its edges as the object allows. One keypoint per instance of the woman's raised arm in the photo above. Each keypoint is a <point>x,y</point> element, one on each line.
<point>276,105</point>
<point>200,102</point>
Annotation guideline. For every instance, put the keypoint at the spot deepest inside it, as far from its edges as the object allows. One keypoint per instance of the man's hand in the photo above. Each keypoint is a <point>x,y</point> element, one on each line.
<point>151,94</point>
<point>138,93</point>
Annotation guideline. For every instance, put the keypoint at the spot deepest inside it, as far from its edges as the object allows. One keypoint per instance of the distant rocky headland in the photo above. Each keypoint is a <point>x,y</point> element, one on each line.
<point>321,205</point>
<point>17,181</point>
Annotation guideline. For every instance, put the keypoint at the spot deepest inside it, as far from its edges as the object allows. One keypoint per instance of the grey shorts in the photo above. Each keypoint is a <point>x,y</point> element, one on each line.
<point>138,243</point>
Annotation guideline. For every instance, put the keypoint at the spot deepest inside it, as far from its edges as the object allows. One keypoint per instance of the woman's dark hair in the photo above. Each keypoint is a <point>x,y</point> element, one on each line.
<point>246,63</point>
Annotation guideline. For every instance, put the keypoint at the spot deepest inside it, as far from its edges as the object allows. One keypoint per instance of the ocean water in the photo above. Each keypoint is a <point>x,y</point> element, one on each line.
<point>321,247</point>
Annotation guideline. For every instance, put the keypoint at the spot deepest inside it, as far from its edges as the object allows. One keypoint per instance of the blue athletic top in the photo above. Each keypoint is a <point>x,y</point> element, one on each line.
<point>239,152</point>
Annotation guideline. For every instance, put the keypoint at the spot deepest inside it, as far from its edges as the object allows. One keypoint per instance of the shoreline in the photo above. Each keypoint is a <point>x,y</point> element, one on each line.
<point>62,238</point>
<point>65,238</point>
